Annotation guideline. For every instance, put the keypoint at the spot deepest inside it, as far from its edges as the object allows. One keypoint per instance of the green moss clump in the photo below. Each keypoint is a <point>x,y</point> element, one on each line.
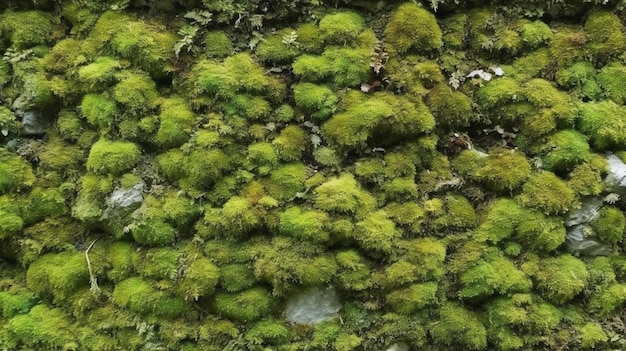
<point>413,27</point>
<point>353,271</point>
<point>451,108</point>
<point>318,101</point>
<point>69,126</point>
<point>286,181</point>
<point>262,157</point>
<point>268,331</point>
<point>236,218</point>
<point>155,232</point>
<point>139,296</point>
<point>120,258</point>
<point>136,92</point>
<point>343,195</point>
<point>306,225</point>
<point>566,149</point>
<point>15,173</point>
<point>559,279</point>
<point>539,232</point>
<point>310,38</point>
<point>498,92</point>
<point>99,110</point>
<point>503,170</point>
<point>341,27</point>
<point>546,192</point>
<point>376,233</point>
<point>608,300</point>
<point>57,275</point>
<point>413,298</point>
<point>275,49</point>
<point>346,66</point>
<point>458,326</point>
<point>42,327</point>
<point>493,274</point>
<point>113,157</point>
<point>610,225</point>
<point>591,335</point>
<point>63,56</point>
<point>13,303</point>
<point>604,35</point>
<point>217,44</point>
<point>246,306</point>
<point>585,180</point>
<point>10,224</point>
<point>580,76</point>
<point>27,29</point>
<point>177,123</point>
<point>535,34</point>
<point>290,143</point>
<point>200,278</point>
<point>602,123</point>
<point>236,277</point>
<point>101,73</point>
<point>611,79</point>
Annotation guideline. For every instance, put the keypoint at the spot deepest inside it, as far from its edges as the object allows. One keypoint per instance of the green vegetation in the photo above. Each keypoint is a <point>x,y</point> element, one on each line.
<point>174,174</point>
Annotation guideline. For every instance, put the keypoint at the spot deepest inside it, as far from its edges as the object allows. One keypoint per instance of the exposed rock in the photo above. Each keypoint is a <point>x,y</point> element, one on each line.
<point>577,242</point>
<point>398,347</point>
<point>34,123</point>
<point>615,180</point>
<point>313,306</point>
<point>126,197</point>
<point>587,212</point>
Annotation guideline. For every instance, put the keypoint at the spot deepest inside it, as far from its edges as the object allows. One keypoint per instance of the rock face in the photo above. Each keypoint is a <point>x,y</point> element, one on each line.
<point>313,306</point>
<point>398,347</point>
<point>34,123</point>
<point>616,178</point>
<point>126,197</point>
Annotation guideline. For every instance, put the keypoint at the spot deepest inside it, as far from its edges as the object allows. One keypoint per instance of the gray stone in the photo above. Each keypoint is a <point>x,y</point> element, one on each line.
<point>312,306</point>
<point>615,180</point>
<point>398,347</point>
<point>34,123</point>
<point>126,197</point>
<point>577,241</point>
<point>587,212</point>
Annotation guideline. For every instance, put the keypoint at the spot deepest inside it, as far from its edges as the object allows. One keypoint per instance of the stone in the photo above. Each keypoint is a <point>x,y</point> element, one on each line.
<point>126,197</point>
<point>577,242</point>
<point>398,347</point>
<point>313,306</point>
<point>615,180</point>
<point>588,211</point>
<point>34,123</point>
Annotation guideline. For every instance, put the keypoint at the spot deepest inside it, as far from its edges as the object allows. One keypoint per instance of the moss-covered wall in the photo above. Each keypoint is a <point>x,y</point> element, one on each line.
<point>171,172</point>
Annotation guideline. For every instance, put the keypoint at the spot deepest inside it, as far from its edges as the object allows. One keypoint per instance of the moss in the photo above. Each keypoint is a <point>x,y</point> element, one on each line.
<point>601,123</point>
<point>262,157</point>
<point>493,274</point>
<point>354,271</point>
<point>238,73</point>
<point>120,257</point>
<point>607,301</point>
<point>535,34</point>
<point>69,126</point>
<point>286,181</point>
<point>306,225</point>
<point>63,56</point>
<point>42,327</point>
<point>113,157</point>
<point>548,193</point>
<point>57,275</point>
<point>412,298</point>
<point>199,279</point>
<point>341,27</point>
<point>567,148</point>
<point>236,277</point>
<point>140,297</point>
<point>498,92</point>
<point>236,218</point>
<point>539,232</point>
<point>318,101</point>
<point>310,38</point>
<point>453,29</point>
<point>343,195</point>
<point>610,225</point>
<point>100,73</point>
<point>567,45</point>
<point>217,44</point>
<point>580,76</point>
<point>559,279</point>
<point>136,92</point>
<point>604,35</point>
<point>13,303</point>
<point>312,68</point>
<point>177,123</point>
<point>412,27</point>
<point>611,79</point>
<point>400,189</point>
<point>275,49</point>
<point>376,233</point>
<point>349,67</point>
<point>452,109</point>
<point>591,335</point>
<point>327,157</point>
<point>27,29</point>
<point>459,214</point>
<point>246,306</point>
<point>458,326</point>
<point>503,170</point>
<point>533,65</point>
<point>205,168</point>
<point>414,74</point>
<point>99,110</point>
<point>268,331</point>
<point>155,232</point>
<point>15,173</point>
